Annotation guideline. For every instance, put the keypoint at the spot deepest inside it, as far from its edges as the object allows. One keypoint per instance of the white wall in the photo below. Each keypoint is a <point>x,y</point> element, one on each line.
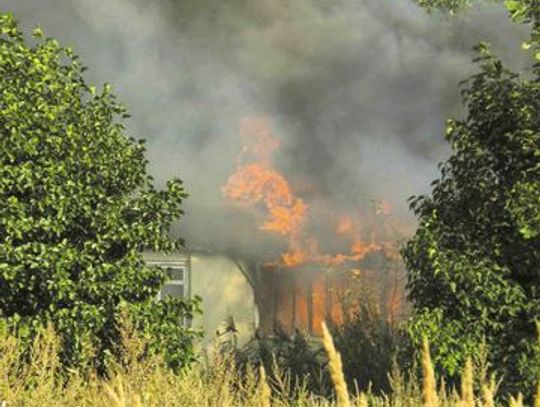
<point>225,292</point>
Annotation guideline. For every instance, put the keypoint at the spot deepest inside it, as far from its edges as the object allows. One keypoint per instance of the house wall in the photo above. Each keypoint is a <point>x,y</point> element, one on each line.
<point>301,298</point>
<point>225,293</point>
<point>304,297</point>
<point>224,290</point>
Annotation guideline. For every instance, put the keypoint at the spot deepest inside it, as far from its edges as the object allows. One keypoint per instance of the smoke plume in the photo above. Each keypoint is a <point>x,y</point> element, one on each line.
<point>356,91</point>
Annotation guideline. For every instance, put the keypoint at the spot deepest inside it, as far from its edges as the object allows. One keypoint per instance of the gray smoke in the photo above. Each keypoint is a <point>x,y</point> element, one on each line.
<point>357,91</point>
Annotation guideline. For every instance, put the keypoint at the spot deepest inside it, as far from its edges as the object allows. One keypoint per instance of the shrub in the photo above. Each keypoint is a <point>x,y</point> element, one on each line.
<point>77,209</point>
<point>369,347</point>
<point>299,357</point>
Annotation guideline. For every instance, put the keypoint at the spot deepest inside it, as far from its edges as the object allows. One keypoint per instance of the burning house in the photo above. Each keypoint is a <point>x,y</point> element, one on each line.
<point>268,299</point>
<point>226,293</point>
<point>301,298</point>
<point>309,276</point>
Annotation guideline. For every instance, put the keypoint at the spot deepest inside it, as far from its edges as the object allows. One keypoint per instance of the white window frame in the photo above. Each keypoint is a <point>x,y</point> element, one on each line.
<point>185,282</point>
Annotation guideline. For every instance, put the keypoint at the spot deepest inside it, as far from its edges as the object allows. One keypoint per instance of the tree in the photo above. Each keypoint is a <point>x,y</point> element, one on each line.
<point>78,208</point>
<point>474,262</point>
<point>525,11</point>
<point>447,5</point>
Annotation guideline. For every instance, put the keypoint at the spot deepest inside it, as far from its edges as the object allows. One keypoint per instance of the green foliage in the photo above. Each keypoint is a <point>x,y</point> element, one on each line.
<point>299,357</point>
<point>451,6</point>
<point>528,11</point>
<point>369,348</point>
<point>77,207</point>
<point>474,261</point>
<point>520,10</point>
<point>524,11</point>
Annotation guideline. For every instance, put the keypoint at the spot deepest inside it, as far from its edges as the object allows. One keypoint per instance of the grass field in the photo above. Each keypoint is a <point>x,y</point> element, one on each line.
<point>147,382</point>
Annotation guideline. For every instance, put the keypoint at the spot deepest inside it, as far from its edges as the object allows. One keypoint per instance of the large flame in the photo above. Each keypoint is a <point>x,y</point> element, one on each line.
<point>257,183</point>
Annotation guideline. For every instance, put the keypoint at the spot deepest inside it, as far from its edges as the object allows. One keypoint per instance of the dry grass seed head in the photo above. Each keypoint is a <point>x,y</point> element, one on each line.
<point>488,392</point>
<point>467,386</point>
<point>516,402</point>
<point>266,393</point>
<point>362,400</point>
<point>336,368</point>
<point>429,386</point>
<point>537,397</point>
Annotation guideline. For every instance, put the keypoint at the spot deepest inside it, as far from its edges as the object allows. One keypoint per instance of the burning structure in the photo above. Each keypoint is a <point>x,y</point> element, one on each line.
<point>303,286</point>
<point>322,267</point>
<point>256,184</point>
<point>300,298</point>
<point>266,298</point>
<point>357,88</point>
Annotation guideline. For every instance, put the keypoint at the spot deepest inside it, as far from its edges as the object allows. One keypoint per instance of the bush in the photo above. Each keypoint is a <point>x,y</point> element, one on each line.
<point>299,357</point>
<point>77,209</point>
<point>369,347</point>
<point>473,262</point>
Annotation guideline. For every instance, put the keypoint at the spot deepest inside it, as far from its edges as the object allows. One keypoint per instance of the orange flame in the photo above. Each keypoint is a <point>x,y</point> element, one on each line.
<point>256,182</point>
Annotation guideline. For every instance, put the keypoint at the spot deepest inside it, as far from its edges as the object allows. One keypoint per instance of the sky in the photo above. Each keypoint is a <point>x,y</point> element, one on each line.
<point>357,92</point>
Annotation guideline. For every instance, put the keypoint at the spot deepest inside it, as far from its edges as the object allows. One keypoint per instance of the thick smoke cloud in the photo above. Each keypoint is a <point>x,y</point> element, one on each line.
<point>357,90</point>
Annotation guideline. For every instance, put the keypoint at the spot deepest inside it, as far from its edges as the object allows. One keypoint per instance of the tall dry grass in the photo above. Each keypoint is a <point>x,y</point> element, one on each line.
<point>430,397</point>
<point>266,393</point>
<point>467,385</point>
<point>139,382</point>
<point>336,369</point>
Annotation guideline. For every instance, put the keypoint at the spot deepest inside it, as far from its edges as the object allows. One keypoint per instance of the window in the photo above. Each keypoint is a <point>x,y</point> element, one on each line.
<point>178,284</point>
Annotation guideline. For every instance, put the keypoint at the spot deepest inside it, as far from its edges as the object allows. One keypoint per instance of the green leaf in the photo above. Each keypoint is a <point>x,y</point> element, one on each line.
<point>78,208</point>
